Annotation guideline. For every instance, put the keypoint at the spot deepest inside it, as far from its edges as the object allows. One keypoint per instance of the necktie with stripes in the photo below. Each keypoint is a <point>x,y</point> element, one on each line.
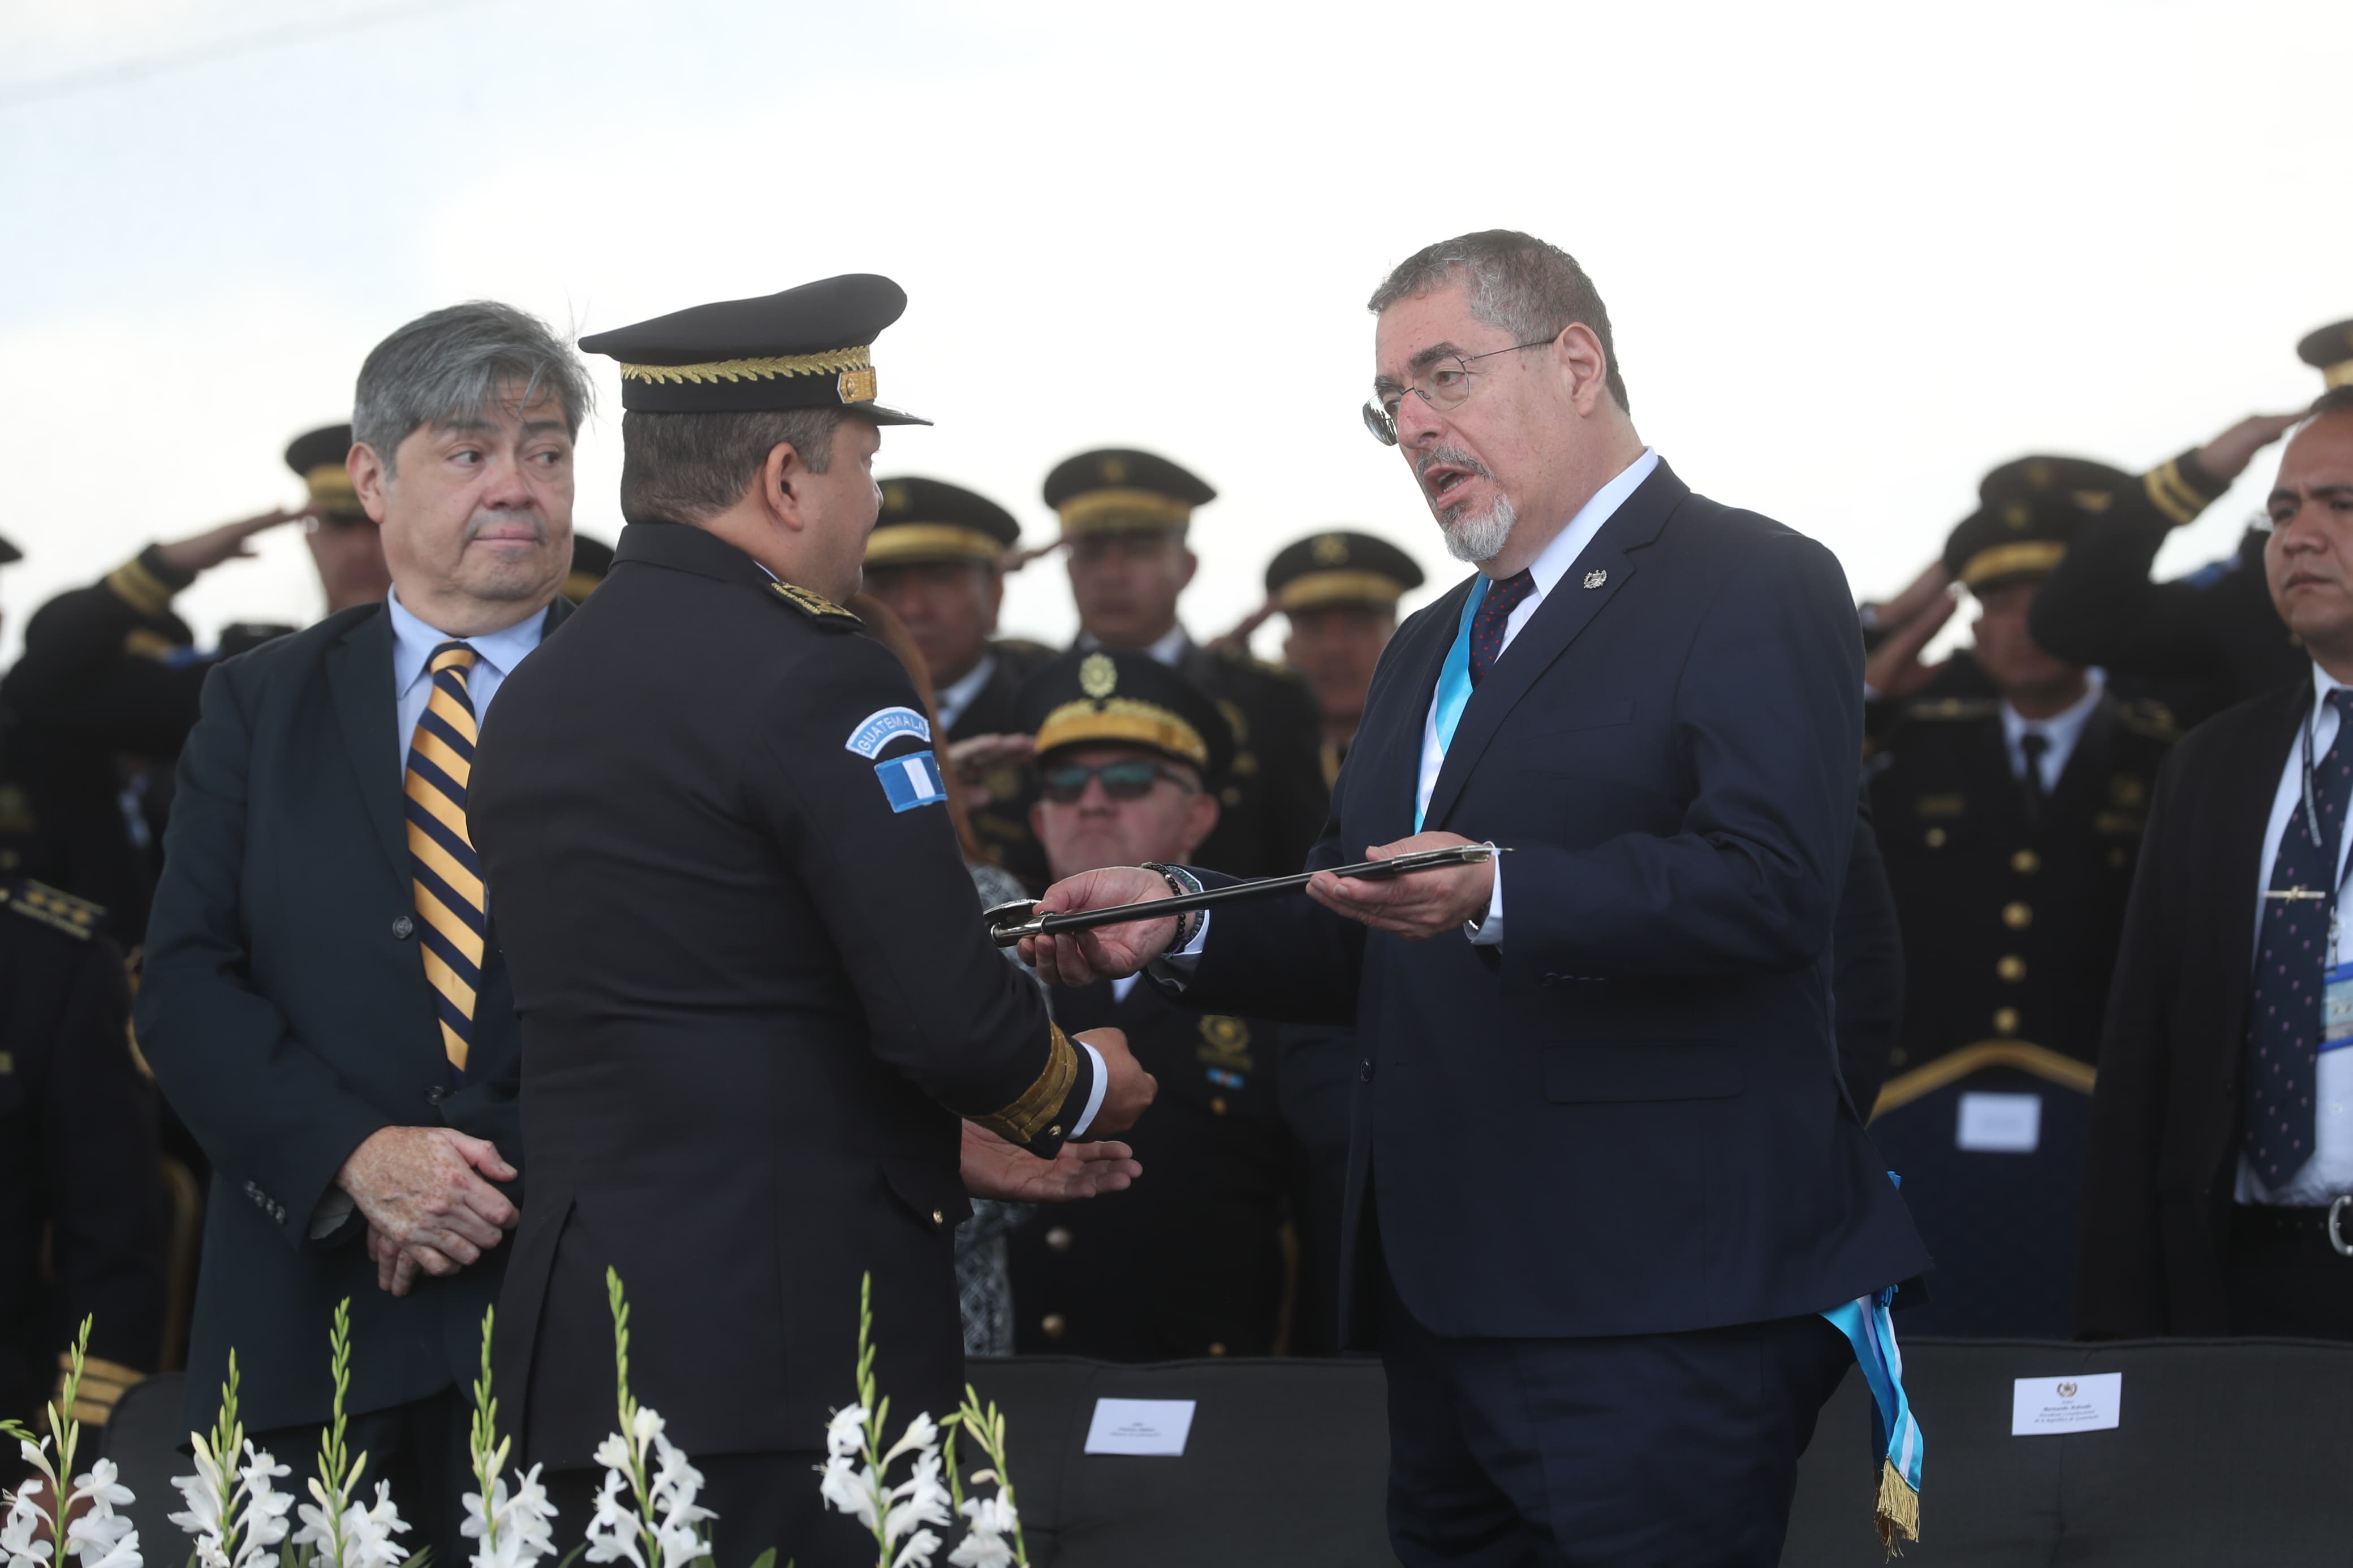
<point>448,875</point>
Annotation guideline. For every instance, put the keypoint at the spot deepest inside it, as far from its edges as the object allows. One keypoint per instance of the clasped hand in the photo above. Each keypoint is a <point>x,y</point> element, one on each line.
<point>426,1203</point>
<point>1417,908</point>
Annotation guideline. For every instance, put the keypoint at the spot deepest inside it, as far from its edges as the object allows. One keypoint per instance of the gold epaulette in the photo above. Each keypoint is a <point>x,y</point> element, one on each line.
<point>139,588</point>
<point>815,607</point>
<point>1950,708</point>
<point>2148,717</point>
<point>2172,494</point>
<point>39,902</point>
<point>1026,1118</point>
<point>103,1384</point>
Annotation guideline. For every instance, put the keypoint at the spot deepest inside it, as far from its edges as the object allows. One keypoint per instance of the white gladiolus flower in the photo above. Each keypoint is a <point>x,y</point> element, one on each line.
<point>849,1489</point>
<point>918,1551</point>
<point>266,1507</point>
<point>103,1538</point>
<point>613,1529</point>
<point>524,1533</point>
<point>845,1433</point>
<point>922,1432</point>
<point>921,1499</point>
<point>17,1532</point>
<point>225,1499</point>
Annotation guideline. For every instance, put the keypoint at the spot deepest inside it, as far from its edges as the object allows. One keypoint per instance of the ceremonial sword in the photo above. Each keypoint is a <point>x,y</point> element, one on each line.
<point>1010,922</point>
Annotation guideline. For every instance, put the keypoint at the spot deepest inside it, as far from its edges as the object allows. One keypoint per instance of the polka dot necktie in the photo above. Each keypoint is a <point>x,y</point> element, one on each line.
<point>2284,1026</point>
<point>1494,611</point>
<point>447,875</point>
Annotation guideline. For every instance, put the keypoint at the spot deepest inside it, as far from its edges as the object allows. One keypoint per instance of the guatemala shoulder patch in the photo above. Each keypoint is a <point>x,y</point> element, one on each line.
<point>912,781</point>
<point>884,725</point>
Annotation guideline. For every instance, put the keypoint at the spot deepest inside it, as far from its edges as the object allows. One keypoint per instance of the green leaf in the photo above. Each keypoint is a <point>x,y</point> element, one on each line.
<point>765,1560</point>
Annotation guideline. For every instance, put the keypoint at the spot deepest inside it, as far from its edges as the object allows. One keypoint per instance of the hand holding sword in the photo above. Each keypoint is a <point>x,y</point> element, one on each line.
<point>1416,888</point>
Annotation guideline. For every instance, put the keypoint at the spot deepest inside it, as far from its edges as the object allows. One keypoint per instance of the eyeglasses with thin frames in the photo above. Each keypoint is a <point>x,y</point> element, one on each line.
<point>1445,384</point>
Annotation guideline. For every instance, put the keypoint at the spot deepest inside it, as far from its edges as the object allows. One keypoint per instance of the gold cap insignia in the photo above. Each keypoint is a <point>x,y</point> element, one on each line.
<point>857,385</point>
<point>2038,474</point>
<point>894,496</point>
<point>2094,501</point>
<point>1098,676</point>
<point>1330,548</point>
<point>2017,514</point>
<point>1113,470</point>
<point>1595,579</point>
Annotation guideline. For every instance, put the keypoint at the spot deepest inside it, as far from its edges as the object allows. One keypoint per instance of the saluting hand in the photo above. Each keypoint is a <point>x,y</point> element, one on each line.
<point>994,1168</point>
<point>1417,907</point>
<point>1105,952</point>
<point>201,551</point>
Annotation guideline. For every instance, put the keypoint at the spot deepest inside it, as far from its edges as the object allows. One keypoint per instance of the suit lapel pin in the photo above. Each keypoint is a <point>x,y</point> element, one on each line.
<point>1595,579</point>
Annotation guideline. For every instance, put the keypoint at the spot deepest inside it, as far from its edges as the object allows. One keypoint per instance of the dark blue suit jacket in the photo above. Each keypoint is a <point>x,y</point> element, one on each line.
<point>285,1011</point>
<point>1626,1118</point>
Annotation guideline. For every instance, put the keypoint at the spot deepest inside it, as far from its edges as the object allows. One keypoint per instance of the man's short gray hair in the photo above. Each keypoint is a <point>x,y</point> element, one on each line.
<point>690,468</point>
<point>454,365</point>
<point>1518,284</point>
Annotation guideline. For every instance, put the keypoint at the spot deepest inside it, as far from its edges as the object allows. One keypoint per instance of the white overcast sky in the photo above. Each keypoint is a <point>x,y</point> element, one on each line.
<point>1855,255</point>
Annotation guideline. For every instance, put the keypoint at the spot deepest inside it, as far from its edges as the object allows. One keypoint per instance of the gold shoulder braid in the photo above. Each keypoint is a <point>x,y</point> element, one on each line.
<point>1026,1118</point>
<point>815,607</point>
<point>39,901</point>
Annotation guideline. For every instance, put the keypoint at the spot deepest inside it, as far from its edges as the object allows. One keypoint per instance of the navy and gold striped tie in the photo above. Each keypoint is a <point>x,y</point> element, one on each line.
<point>449,875</point>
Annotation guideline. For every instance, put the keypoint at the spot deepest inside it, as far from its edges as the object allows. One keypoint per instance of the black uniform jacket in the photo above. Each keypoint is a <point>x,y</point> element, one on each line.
<point>2165,1115</point>
<point>1274,805</point>
<point>1002,826</point>
<point>77,1156</point>
<point>755,996</point>
<point>1189,1261</point>
<point>285,1010</point>
<point>2202,642</point>
<point>1627,1117</point>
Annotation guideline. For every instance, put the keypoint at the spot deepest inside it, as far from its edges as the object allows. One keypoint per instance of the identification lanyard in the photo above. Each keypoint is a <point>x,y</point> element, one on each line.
<point>1453,687</point>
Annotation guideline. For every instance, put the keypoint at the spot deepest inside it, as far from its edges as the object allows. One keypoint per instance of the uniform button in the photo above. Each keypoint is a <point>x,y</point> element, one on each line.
<point>2011,968</point>
<point>435,1095</point>
<point>1054,1325</point>
<point>1217,1104</point>
<point>401,926</point>
<point>1365,1073</point>
<point>2026,862</point>
<point>1936,838</point>
<point>1217,1350</point>
<point>1055,1130</point>
<point>1059,1238</point>
<point>2016,915</point>
<point>939,1216</point>
<point>2005,1020</point>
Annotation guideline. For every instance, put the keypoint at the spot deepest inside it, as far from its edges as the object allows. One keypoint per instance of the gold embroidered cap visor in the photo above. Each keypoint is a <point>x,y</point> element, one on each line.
<point>2329,351</point>
<point>809,347</point>
<point>916,543</point>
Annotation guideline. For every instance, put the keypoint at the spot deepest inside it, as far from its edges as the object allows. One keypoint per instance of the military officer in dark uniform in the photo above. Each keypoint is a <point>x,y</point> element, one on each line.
<point>755,993</point>
<point>936,558</point>
<point>109,682</point>
<point>1190,1261</point>
<point>82,1229</point>
<point>2010,826</point>
<point>2202,642</point>
<point>1123,517</point>
<point>1340,592</point>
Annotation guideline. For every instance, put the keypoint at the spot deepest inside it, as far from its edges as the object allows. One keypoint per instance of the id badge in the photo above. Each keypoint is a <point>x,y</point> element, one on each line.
<point>2336,1008</point>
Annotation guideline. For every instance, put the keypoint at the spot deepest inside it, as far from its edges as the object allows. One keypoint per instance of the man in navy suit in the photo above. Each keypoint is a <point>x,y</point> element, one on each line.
<point>1604,1177</point>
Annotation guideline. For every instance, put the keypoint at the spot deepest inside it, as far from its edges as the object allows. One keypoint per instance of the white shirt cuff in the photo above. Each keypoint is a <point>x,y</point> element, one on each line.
<point>333,1211</point>
<point>1094,1094</point>
<point>1488,931</point>
<point>1178,967</point>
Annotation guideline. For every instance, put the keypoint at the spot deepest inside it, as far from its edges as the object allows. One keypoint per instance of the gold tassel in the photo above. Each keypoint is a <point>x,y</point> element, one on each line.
<point>1899,1510</point>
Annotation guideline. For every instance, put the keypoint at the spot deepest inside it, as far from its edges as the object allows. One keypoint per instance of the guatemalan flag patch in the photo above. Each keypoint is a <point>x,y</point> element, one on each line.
<point>912,781</point>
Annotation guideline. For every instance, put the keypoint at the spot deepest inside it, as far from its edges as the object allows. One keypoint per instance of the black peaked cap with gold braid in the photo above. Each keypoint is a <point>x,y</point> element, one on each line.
<point>1341,568</point>
<point>591,558</point>
<point>1099,697</point>
<point>317,458</point>
<point>2028,512</point>
<point>2329,351</point>
<point>810,347</point>
<point>1121,490</point>
<point>929,521</point>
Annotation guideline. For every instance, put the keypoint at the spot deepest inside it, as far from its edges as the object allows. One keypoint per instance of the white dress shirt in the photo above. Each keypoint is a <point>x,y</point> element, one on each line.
<point>495,655</point>
<point>2329,1172</point>
<point>956,696</point>
<point>2060,730</point>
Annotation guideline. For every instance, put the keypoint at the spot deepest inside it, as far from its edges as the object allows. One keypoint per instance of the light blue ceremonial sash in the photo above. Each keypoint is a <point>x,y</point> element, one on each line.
<point>1896,1436</point>
<point>1453,689</point>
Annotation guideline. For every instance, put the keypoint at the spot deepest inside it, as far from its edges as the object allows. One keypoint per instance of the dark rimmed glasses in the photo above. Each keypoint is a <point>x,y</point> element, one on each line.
<point>1444,384</point>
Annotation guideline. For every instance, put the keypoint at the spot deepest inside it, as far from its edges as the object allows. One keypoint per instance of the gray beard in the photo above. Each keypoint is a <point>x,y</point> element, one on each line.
<point>1481,538</point>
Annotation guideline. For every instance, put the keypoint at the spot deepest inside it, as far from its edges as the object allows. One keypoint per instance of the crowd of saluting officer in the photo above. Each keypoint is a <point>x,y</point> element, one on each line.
<point>2005,793</point>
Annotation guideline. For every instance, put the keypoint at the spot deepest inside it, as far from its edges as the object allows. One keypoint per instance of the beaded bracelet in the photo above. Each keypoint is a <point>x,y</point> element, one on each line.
<point>1181,883</point>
